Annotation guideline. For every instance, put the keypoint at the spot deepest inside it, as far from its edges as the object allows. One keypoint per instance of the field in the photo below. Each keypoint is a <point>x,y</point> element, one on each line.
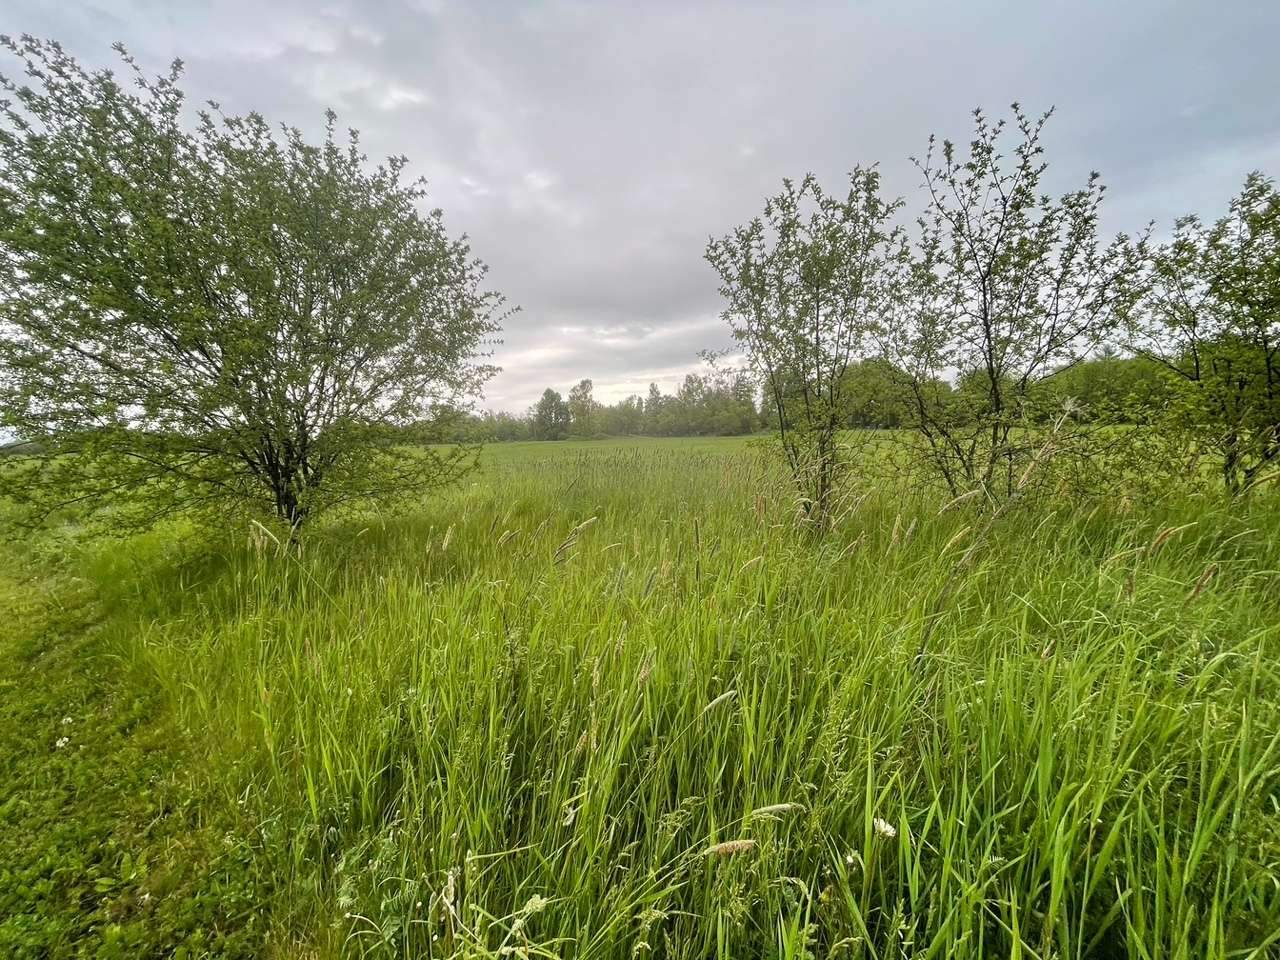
<point>608,700</point>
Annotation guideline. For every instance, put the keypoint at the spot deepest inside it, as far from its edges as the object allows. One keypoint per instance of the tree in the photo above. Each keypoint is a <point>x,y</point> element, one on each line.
<point>1113,388</point>
<point>804,285</point>
<point>582,409</point>
<point>1211,317</point>
<point>550,417</point>
<point>489,426</point>
<point>655,410</point>
<point>1007,288</point>
<point>624,418</point>
<point>875,395</point>
<point>216,314</point>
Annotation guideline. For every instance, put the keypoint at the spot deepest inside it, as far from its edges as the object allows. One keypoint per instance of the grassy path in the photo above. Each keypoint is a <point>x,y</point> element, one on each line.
<point>105,852</point>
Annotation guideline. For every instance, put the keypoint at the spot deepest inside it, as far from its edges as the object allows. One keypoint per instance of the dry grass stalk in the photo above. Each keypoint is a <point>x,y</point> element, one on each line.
<point>893,538</point>
<point>568,543</point>
<point>956,537</point>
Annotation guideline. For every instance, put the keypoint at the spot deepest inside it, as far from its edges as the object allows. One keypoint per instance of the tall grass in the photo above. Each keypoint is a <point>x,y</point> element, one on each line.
<point>608,701</point>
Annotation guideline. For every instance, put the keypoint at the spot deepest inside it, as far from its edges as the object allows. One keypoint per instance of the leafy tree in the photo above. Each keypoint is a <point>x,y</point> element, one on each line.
<point>504,426</point>
<point>1211,317</point>
<point>489,426</point>
<point>217,314</point>
<point>804,285</point>
<point>550,417</point>
<point>1008,287</point>
<point>718,403</point>
<point>875,395</point>
<point>654,412</point>
<point>582,409</point>
<point>624,418</point>
<point>691,402</point>
<point>1112,388</point>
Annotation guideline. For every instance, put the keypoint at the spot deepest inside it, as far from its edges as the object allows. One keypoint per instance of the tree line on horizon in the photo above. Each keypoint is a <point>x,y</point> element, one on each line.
<point>717,404</point>
<point>1112,388</point>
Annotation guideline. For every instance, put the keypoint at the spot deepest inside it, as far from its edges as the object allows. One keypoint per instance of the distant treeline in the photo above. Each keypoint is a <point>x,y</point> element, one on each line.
<point>712,405</point>
<point>1108,387</point>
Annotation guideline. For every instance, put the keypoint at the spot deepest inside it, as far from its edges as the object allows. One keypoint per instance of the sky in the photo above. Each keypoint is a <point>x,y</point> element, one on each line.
<point>591,149</point>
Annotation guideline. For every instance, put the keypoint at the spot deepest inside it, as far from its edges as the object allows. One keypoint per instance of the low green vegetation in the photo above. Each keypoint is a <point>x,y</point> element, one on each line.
<point>115,842</point>
<point>610,700</point>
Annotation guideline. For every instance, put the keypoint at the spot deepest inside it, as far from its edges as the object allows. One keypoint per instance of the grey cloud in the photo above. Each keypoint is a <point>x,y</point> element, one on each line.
<point>590,149</point>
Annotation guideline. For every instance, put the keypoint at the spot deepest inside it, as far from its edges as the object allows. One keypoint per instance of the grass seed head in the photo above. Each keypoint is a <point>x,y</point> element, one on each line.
<point>723,698</point>
<point>729,848</point>
<point>775,810</point>
<point>1203,581</point>
<point>1165,535</point>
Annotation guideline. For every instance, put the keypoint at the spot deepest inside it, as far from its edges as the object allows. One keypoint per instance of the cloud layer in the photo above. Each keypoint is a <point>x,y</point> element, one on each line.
<point>590,149</point>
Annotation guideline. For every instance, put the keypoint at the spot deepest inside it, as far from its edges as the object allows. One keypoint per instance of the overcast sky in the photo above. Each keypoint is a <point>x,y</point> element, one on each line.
<point>591,148</point>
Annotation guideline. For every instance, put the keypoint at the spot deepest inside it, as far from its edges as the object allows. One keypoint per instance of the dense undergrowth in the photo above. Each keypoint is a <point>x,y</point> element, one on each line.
<point>608,701</point>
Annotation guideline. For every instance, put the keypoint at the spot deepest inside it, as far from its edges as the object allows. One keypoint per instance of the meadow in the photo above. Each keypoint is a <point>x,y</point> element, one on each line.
<point>609,699</point>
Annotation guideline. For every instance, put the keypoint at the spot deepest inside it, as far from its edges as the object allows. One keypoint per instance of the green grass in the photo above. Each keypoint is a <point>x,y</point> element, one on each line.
<point>512,722</point>
<point>109,848</point>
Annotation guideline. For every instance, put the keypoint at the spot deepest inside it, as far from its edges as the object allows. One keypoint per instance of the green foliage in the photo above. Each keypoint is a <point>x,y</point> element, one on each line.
<point>718,403</point>
<point>626,418</point>
<point>218,316</point>
<point>495,426</point>
<point>584,411</point>
<point>804,286</point>
<point>1112,388</point>
<point>550,419</point>
<point>1007,287</point>
<point>876,395</point>
<point>609,700</point>
<point>1211,316</point>
<point>107,852</point>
